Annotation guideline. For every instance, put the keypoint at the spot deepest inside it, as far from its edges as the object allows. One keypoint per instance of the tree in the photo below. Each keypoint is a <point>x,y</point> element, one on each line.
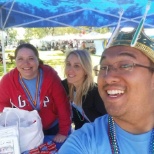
<point>11,35</point>
<point>38,33</point>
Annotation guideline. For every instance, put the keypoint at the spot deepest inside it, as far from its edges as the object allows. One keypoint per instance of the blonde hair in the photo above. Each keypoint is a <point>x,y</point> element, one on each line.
<point>86,63</point>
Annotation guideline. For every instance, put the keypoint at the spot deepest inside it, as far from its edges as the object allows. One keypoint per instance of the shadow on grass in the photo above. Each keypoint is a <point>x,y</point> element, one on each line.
<point>56,60</point>
<point>53,63</point>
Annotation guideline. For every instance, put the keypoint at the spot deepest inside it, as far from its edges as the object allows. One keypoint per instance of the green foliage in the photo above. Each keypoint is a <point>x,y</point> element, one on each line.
<point>57,60</point>
<point>11,51</point>
<point>9,66</point>
<point>11,35</point>
<point>38,33</point>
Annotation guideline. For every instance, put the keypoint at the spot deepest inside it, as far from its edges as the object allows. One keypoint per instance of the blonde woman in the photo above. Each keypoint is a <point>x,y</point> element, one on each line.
<point>81,88</point>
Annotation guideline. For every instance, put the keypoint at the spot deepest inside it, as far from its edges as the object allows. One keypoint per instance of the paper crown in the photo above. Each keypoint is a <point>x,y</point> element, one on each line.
<point>143,42</point>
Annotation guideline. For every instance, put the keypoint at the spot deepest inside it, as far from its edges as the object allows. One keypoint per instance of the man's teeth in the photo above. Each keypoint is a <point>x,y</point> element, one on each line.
<point>114,92</point>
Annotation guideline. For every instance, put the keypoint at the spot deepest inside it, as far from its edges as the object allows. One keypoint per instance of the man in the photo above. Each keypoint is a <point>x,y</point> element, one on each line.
<point>126,85</point>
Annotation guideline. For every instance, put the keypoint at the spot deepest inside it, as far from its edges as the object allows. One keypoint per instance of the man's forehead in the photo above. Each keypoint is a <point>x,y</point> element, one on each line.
<point>122,51</point>
<point>118,50</point>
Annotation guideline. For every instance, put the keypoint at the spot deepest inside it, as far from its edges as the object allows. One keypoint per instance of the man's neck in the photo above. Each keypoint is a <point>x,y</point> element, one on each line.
<point>136,125</point>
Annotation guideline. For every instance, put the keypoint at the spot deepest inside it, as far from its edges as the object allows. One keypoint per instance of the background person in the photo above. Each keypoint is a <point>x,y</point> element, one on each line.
<point>35,86</point>
<point>126,85</point>
<point>83,94</point>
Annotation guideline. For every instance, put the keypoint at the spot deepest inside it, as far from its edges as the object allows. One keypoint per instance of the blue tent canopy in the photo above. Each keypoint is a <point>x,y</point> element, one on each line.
<point>63,13</point>
<point>73,13</point>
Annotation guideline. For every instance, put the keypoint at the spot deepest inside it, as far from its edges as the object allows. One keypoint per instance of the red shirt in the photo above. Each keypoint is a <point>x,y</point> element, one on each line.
<point>54,103</point>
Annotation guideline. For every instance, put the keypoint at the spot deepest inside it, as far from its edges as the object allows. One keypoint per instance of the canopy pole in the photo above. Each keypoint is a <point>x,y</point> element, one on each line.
<point>8,13</point>
<point>3,49</point>
<point>3,53</point>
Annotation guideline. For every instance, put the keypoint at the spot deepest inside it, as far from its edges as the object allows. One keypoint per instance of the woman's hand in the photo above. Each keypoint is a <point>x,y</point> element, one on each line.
<point>59,138</point>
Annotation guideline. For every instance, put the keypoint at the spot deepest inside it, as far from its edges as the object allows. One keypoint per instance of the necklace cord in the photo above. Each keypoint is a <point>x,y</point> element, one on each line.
<point>113,140</point>
<point>28,92</point>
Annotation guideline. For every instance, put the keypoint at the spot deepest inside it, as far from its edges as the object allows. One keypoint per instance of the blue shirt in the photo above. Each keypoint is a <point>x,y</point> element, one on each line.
<point>92,138</point>
<point>31,85</point>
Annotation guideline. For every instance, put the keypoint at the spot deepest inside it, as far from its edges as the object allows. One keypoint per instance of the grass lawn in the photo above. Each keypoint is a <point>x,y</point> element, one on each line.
<point>52,58</point>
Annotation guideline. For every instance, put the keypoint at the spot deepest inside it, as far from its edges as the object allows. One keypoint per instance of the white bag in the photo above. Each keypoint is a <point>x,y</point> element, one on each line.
<point>30,126</point>
<point>9,140</point>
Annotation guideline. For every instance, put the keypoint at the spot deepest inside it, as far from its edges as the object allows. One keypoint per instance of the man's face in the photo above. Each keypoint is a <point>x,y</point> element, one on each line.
<point>126,92</point>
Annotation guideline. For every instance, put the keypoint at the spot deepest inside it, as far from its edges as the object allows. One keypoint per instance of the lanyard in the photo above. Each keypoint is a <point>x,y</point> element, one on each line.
<point>27,91</point>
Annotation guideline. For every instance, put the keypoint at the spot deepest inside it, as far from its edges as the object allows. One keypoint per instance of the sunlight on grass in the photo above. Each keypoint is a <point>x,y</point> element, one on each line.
<point>54,59</point>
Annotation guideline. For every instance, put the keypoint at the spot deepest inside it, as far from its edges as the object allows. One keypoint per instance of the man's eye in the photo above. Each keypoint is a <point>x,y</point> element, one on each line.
<point>126,66</point>
<point>103,68</point>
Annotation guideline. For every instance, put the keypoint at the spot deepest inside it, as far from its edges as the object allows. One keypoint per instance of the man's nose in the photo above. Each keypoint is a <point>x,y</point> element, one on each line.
<point>111,69</point>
